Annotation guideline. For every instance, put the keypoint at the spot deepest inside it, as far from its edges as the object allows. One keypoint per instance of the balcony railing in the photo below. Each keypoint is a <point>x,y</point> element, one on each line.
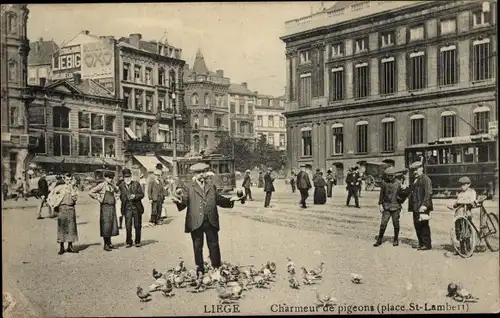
<point>245,135</point>
<point>243,116</point>
<point>221,131</point>
<point>146,146</point>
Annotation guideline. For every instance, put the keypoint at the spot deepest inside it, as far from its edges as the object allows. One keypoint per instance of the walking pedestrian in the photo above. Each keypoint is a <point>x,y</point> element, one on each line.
<point>303,184</point>
<point>329,183</point>
<point>156,195</point>
<point>292,180</point>
<point>105,193</point>
<point>131,199</point>
<point>43,192</point>
<point>268,187</point>
<point>420,203</point>
<point>202,218</point>
<point>247,185</point>
<point>352,185</point>
<point>392,195</point>
<point>319,189</point>
<point>64,196</point>
<point>20,189</point>
<point>260,180</point>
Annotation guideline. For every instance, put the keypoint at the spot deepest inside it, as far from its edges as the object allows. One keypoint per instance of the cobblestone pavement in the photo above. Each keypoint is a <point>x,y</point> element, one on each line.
<point>97,283</point>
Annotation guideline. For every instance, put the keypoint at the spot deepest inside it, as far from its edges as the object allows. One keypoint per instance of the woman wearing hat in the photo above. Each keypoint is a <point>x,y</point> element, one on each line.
<point>105,193</point>
<point>319,189</point>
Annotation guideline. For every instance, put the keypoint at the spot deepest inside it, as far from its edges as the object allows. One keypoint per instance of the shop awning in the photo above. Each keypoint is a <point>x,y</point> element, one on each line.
<point>46,159</point>
<point>170,160</point>
<point>130,133</point>
<point>83,161</point>
<point>148,162</point>
<point>112,162</point>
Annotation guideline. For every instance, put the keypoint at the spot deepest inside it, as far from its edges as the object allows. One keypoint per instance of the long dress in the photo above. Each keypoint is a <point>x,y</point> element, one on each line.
<point>66,221</point>
<point>107,218</point>
<point>319,190</point>
<point>329,185</point>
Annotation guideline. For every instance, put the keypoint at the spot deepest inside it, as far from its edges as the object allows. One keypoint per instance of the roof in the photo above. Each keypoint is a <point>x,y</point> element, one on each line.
<point>86,87</point>
<point>41,52</point>
<point>240,90</point>
<point>199,66</point>
<point>342,4</point>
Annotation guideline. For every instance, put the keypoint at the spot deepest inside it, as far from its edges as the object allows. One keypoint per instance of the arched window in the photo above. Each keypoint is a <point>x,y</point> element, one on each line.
<point>205,121</point>
<point>362,136</point>
<point>196,143</point>
<point>337,139</point>
<point>481,118</point>
<point>13,71</point>
<point>417,129</point>
<point>270,121</point>
<point>194,99</point>
<point>205,141</point>
<point>196,121</point>
<point>12,23</point>
<point>172,79</point>
<point>388,132</point>
<point>448,124</point>
<point>207,99</point>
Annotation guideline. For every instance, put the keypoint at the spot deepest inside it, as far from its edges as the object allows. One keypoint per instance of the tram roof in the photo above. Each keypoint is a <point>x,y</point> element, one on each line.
<point>460,140</point>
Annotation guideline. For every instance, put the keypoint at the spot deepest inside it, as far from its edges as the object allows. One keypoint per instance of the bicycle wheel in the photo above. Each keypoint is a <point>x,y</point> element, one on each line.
<point>463,237</point>
<point>491,237</point>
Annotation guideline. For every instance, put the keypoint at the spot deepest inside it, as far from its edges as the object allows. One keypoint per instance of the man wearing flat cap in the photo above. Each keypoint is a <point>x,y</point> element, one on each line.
<point>131,195</point>
<point>420,203</point>
<point>268,187</point>
<point>201,199</point>
<point>303,184</point>
<point>247,185</point>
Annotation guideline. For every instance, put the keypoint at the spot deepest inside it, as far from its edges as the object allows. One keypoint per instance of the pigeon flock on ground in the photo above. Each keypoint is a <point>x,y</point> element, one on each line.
<point>231,281</point>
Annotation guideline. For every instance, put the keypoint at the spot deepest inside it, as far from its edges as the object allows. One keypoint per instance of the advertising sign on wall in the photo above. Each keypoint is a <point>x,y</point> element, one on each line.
<point>98,60</point>
<point>109,83</point>
<point>67,58</point>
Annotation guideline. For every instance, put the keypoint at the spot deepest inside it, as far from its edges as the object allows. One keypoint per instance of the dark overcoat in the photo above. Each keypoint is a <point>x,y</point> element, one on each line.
<point>421,194</point>
<point>134,188</point>
<point>303,181</point>
<point>268,183</point>
<point>199,202</point>
<point>247,182</point>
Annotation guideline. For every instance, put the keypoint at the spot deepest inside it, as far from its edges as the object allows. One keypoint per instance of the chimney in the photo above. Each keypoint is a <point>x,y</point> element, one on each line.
<point>220,73</point>
<point>134,39</point>
<point>77,78</point>
<point>244,84</point>
<point>86,32</point>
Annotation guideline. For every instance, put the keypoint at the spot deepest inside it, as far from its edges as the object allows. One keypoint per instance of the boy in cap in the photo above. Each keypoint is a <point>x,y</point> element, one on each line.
<point>131,195</point>
<point>247,185</point>
<point>420,203</point>
<point>202,217</point>
<point>465,197</point>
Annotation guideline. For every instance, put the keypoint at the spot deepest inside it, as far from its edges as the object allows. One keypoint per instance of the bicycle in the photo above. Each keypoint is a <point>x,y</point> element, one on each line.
<point>464,233</point>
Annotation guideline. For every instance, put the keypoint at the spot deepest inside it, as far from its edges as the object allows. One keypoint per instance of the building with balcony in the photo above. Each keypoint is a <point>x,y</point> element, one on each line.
<point>78,124</point>
<point>206,98</point>
<point>40,61</point>
<point>270,121</point>
<point>14,99</point>
<point>366,79</point>
<point>242,111</point>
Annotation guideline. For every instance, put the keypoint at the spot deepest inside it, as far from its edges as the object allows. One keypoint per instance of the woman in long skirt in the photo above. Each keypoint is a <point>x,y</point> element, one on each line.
<point>329,183</point>
<point>105,194</point>
<point>319,189</point>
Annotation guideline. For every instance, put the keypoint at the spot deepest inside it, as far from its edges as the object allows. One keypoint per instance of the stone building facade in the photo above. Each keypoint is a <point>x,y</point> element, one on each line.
<point>40,61</point>
<point>270,121</point>
<point>366,79</point>
<point>242,111</point>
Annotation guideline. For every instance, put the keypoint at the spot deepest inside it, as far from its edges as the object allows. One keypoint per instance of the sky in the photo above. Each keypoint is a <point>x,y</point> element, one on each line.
<point>240,38</point>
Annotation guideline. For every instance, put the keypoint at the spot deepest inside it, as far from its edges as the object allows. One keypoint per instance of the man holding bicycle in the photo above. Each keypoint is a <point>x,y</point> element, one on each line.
<point>465,197</point>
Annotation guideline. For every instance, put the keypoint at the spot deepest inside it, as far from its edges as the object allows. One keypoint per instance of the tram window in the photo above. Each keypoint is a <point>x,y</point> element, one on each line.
<point>444,156</point>
<point>456,155</point>
<point>432,157</point>
<point>469,154</point>
<point>225,168</point>
<point>493,153</point>
<point>482,153</point>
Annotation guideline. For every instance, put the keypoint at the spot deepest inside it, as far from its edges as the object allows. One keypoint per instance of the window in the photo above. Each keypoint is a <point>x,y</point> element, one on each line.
<point>306,141</point>
<point>361,78</point>
<point>480,18</point>
<point>250,109</point>
<point>481,65</point>
<point>417,129</point>
<point>337,139</point>
<point>32,76</point>
<point>337,84</point>
<point>270,140</point>
<point>387,39</point>
<point>305,90</point>
<point>242,108</point>
<point>482,118</point>
<point>109,123</point>
<point>126,70</point>
<point>41,146</point>
<point>207,99</point>
<point>388,131</point>
<point>161,102</point>
<point>83,120</point>
<point>60,117</point>
<point>270,121</point>
<point>250,128</point>
<point>448,124</point>
<point>282,122</point>
<point>149,103</point>
<point>336,50</point>
<point>242,127</point>
<point>36,116</point>
<point>205,121</point>
<point>126,97</point>
<point>137,74</point>
<point>305,57</point>
<point>138,100</point>
<point>448,74</point>
<point>387,76</point>
<point>417,33</point>
<point>259,121</point>
<point>233,108</point>
<point>11,22</point>
<point>161,77</point>
<point>196,121</point>
<point>12,71</point>
<point>14,116</point>
<point>362,136</point>
<point>205,141</point>
<point>233,126</point>
<point>194,99</point>
<point>282,140</point>
<point>96,145</point>
<point>417,71</point>
<point>61,145</point>
<point>448,26</point>
<point>149,76</point>
<point>361,45</point>
<point>109,147</point>
<point>84,145</point>
<point>97,122</point>
<point>218,122</point>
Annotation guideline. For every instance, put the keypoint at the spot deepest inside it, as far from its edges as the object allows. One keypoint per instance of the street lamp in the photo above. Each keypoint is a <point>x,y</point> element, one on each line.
<point>174,133</point>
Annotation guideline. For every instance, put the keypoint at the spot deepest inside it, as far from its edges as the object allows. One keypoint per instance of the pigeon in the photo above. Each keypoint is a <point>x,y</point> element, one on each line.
<point>224,295</point>
<point>356,278</point>
<point>325,300</point>
<point>143,295</point>
<point>318,271</point>
<point>290,266</point>
<point>272,267</point>
<point>464,295</point>
<point>294,283</point>
<point>167,289</point>
<point>307,278</point>
<point>156,274</point>
<point>158,284</point>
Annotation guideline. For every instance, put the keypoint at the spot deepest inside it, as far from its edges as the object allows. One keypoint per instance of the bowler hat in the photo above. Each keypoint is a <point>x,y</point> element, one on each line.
<point>126,173</point>
<point>416,164</point>
<point>199,167</point>
<point>318,169</point>
<point>159,166</point>
<point>463,180</point>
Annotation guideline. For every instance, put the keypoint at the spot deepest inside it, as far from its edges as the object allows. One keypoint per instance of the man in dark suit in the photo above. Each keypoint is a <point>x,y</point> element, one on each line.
<point>156,195</point>
<point>131,195</point>
<point>353,182</point>
<point>268,187</point>
<point>303,184</point>
<point>420,203</point>
<point>201,200</point>
<point>292,180</point>
<point>43,192</point>
<point>247,185</point>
